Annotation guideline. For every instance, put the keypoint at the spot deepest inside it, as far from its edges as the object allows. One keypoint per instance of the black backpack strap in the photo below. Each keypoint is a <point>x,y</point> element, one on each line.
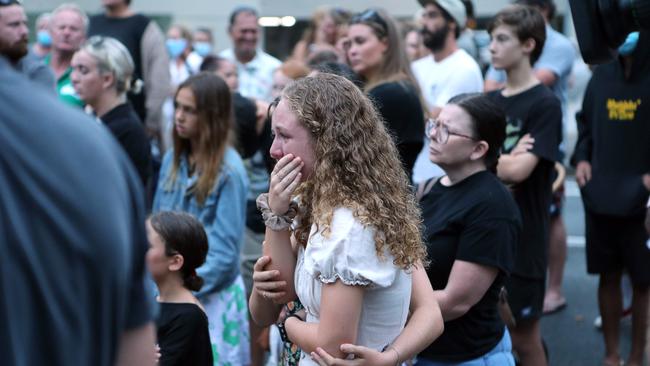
<point>422,189</point>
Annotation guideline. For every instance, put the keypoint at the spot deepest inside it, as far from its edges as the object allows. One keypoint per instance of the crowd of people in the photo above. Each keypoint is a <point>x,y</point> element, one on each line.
<point>381,197</point>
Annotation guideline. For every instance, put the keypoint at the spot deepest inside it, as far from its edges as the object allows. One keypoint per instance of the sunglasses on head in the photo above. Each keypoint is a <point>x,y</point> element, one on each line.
<point>370,15</point>
<point>10,2</point>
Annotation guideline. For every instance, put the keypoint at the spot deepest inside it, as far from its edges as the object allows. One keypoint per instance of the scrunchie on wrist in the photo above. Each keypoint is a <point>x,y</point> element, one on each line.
<point>273,221</point>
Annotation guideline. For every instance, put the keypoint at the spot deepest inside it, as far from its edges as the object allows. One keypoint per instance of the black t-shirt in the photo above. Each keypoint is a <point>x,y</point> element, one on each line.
<point>71,233</point>
<point>400,107</point>
<point>475,220</point>
<point>127,128</point>
<point>183,335</point>
<point>537,112</point>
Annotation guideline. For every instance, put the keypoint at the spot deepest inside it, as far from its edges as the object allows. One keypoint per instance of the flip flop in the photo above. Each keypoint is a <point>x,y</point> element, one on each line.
<point>558,307</point>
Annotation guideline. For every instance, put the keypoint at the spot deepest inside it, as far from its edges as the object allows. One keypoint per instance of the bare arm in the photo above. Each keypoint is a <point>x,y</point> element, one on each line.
<point>136,347</point>
<point>490,85</point>
<point>546,77</point>
<point>467,284</point>
<point>339,320</point>
<point>425,323</point>
<point>278,244</point>
<point>266,289</point>
<point>516,168</point>
<point>424,326</point>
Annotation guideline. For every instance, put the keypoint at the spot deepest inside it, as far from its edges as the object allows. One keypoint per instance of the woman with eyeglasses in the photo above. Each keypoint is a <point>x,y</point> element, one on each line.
<point>471,228</point>
<point>102,72</point>
<point>376,52</point>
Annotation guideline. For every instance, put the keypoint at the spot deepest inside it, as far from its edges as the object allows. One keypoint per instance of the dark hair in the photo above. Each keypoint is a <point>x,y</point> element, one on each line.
<point>469,8</point>
<point>207,31</point>
<point>547,5</point>
<point>183,234</point>
<point>240,10</point>
<point>488,123</point>
<point>211,63</point>
<point>527,23</point>
<point>321,56</point>
<point>339,69</point>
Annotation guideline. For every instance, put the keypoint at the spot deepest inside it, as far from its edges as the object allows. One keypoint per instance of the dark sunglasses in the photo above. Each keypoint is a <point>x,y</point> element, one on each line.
<point>372,16</point>
<point>10,2</point>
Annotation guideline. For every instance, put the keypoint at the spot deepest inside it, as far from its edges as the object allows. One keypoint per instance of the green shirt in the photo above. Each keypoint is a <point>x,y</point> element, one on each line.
<point>64,87</point>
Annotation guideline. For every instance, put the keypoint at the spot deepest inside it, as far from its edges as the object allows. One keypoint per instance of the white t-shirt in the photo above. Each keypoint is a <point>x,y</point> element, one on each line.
<point>256,76</point>
<point>440,81</point>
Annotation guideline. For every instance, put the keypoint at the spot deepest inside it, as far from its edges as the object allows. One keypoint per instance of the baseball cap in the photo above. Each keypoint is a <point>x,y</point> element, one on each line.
<point>455,8</point>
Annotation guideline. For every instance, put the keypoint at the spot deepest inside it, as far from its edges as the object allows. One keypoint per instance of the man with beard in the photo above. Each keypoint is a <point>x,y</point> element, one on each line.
<point>13,45</point>
<point>447,72</point>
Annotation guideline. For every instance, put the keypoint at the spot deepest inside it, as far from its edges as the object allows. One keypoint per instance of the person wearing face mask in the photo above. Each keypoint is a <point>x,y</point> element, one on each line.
<point>612,158</point>
<point>203,42</point>
<point>181,66</point>
<point>43,38</point>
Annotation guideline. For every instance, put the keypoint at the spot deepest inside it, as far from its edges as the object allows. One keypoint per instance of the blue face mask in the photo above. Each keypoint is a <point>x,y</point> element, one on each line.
<point>202,48</point>
<point>175,47</point>
<point>629,45</point>
<point>43,38</point>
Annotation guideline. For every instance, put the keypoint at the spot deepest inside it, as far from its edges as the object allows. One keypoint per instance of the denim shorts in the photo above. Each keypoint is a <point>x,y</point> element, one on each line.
<point>500,355</point>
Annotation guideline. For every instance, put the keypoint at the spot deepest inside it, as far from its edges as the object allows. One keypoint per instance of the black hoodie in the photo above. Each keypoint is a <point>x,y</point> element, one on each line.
<point>614,135</point>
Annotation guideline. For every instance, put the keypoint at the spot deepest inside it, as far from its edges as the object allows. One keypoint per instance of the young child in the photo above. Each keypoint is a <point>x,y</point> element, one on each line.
<point>534,119</point>
<point>177,246</point>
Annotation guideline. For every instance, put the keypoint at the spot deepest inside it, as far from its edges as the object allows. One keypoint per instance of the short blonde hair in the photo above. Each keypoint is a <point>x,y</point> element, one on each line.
<point>112,57</point>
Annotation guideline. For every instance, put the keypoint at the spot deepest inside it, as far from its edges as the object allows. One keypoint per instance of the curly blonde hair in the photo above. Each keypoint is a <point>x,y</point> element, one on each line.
<point>356,166</point>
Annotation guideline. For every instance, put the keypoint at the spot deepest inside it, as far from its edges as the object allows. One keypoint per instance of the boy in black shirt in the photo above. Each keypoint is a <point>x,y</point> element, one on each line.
<point>613,170</point>
<point>534,115</point>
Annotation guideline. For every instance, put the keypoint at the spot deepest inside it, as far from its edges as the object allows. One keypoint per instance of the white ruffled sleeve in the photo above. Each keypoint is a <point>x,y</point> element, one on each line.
<point>348,254</point>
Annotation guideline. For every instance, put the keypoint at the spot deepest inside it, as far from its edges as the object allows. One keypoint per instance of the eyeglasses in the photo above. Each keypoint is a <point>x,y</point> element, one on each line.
<point>442,132</point>
<point>372,16</point>
<point>10,2</point>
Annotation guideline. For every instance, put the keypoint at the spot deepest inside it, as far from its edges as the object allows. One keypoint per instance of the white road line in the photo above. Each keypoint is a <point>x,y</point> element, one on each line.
<point>575,241</point>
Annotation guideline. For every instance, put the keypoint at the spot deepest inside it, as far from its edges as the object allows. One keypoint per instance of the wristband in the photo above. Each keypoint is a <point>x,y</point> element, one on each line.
<point>283,331</point>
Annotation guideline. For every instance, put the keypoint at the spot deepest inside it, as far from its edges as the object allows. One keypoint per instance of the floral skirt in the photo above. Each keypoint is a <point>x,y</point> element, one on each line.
<point>228,324</point>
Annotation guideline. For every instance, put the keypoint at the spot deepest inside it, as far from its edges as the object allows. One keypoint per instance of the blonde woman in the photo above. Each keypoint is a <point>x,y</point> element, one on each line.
<point>343,230</point>
<point>102,74</point>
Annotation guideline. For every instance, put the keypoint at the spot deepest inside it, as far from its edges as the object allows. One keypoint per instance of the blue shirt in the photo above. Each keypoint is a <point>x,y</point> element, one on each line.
<point>223,214</point>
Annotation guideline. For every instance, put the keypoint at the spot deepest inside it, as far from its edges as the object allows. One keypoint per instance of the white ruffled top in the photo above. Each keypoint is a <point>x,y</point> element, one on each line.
<point>349,255</point>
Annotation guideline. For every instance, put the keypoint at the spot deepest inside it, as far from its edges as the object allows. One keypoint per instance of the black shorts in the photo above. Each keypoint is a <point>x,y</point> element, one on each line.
<point>617,243</point>
<point>525,297</point>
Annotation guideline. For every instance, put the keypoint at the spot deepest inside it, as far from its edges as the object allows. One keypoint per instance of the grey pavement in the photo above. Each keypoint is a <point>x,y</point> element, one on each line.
<point>570,334</point>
